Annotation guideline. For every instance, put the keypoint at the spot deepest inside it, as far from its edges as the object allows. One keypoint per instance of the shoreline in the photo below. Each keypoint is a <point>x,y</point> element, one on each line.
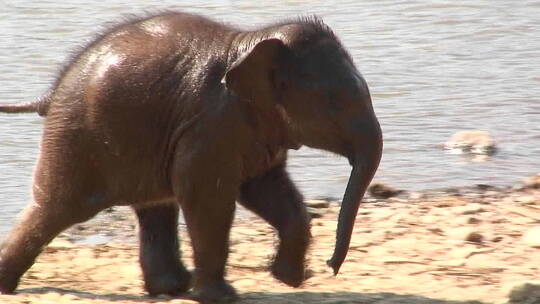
<point>119,224</point>
<point>468,245</point>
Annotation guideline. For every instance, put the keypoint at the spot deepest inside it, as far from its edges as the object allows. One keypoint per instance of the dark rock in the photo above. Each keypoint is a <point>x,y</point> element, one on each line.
<point>452,191</point>
<point>532,182</point>
<point>382,191</point>
<point>318,204</point>
<point>474,237</point>
<point>438,231</point>
<point>525,293</point>
<point>497,239</point>
<point>315,213</point>
<point>473,211</point>
<point>80,227</point>
<point>485,187</point>
<point>464,233</point>
<point>473,220</point>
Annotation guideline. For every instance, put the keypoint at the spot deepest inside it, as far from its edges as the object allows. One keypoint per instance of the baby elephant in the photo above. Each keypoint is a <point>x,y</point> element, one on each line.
<point>178,111</point>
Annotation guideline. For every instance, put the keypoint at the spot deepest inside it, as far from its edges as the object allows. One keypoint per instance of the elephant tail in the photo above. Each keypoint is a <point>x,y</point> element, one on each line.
<point>40,106</point>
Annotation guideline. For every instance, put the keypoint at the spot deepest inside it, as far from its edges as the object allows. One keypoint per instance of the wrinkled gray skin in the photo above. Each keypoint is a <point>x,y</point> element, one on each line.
<point>177,111</point>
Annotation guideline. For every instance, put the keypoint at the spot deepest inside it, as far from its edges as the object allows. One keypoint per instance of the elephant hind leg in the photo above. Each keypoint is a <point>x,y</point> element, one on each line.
<point>64,193</point>
<point>37,226</point>
<point>159,255</point>
<point>274,197</point>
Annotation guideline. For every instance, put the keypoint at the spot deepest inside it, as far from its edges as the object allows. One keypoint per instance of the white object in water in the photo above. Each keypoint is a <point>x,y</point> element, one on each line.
<point>475,142</point>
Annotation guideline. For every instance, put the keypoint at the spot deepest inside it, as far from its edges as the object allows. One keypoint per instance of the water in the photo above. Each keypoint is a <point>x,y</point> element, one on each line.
<point>434,68</point>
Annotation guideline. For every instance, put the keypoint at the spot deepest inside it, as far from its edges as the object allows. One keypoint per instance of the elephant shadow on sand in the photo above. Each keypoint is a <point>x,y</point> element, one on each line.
<point>269,297</point>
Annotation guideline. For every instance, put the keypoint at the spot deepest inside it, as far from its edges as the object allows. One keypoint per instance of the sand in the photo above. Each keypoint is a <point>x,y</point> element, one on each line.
<point>459,246</point>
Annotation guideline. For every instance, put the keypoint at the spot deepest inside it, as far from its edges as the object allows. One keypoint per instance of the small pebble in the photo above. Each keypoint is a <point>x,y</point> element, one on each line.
<point>497,239</point>
<point>474,237</point>
<point>473,220</point>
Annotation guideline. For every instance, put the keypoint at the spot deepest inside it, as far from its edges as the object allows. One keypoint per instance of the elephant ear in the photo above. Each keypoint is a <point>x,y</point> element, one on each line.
<point>253,75</point>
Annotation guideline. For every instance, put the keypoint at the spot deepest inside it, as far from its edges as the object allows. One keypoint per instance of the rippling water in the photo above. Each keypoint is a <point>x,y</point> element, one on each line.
<point>434,67</point>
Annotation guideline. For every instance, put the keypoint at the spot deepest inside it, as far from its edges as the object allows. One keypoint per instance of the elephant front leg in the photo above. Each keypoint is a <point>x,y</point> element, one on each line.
<point>274,197</point>
<point>209,215</point>
<point>159,256</point>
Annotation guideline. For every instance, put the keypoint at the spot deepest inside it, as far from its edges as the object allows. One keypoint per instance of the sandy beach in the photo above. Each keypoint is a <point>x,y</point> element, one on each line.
<point>451,246</point>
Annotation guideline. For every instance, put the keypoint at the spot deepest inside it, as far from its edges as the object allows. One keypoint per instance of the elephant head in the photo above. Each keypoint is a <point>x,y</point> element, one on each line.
<point>305,72</point>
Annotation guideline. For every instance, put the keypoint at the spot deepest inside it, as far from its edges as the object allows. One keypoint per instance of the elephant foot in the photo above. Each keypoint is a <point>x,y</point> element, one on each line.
<point>219,292</point>
<point>172,283</point>
<point>7,284</point>
<point>288,273</point>
<point>8,281</point>
<point>6,289</point>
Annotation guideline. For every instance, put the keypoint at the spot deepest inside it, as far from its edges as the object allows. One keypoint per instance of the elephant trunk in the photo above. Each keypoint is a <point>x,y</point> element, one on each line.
<point>365,163</point>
